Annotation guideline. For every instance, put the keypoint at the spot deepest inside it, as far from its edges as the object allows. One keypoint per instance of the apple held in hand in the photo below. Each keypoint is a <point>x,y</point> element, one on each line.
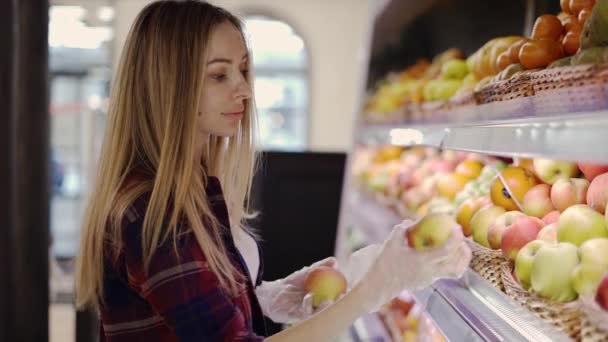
<point>550,171</point>
<point>431,231</point>
<point>524,259</point>
<point>481,222</point>
<point>500,225</point>
<point>567,192</point>
<point>590,171</point>
<point>580,223</point>
<point>522,231</point>
<point>324,283</point>
<point>597,195</point>
<point>537,201</point>
<point>552,268</point>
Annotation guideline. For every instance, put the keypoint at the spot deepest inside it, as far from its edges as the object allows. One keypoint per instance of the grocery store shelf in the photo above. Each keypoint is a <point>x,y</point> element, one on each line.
<point>471,309</point>
<point>574,136</point>
<point>369,328</point>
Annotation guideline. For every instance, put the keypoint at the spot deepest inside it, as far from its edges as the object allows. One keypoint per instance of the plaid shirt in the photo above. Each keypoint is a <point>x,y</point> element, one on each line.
<point>177,300</point>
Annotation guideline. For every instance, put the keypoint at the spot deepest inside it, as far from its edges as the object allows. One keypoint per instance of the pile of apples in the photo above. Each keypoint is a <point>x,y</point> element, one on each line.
<point>438,79</point>
<point>550,221</point>
<point>423,180</point>
<point>577,35</point>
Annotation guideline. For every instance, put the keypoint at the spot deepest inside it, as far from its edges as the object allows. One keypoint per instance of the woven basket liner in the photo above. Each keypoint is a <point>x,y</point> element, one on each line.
<point>594,321</point>
<point>517,86</point>
<point>570,89</point>
<point>567,317</point>
<point>487,262</point>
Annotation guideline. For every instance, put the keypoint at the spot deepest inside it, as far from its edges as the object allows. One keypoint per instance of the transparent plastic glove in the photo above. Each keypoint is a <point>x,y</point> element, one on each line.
<point>399,267</point>
<point>359,262</point>
<point>286,301</point>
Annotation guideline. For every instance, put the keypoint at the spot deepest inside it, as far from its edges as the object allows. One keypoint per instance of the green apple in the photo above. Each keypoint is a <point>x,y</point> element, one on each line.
<point>580,223</point>
<point>431,231</point>
<point>586,278</point>
<point>524,259</point>
<point>325,283</point>
<point>455,69</point>
<point>549,171</point>
<point>552,268</point>
<point>594,252</point>
<point>481,222</point>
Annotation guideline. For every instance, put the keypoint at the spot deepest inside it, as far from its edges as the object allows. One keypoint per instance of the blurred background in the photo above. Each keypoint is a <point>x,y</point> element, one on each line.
<point>307,60</point>
<point>313,61</point>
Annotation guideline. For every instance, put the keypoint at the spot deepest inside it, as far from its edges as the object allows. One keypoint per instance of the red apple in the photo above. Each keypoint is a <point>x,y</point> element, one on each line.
<point>500,225</point>
<point>524,230</point>
<point>551,217</point>
<point>324,283</point>
<point>597,195</point>
<point>591,170</point>
<point>537,201</point>
<point>567,192</point>
<point>602,292</point>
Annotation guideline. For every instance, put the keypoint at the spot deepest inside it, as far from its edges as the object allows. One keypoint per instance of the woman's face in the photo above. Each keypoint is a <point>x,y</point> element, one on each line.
<point>225,87</point>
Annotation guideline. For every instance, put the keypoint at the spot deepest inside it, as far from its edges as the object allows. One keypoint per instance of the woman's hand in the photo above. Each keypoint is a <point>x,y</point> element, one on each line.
<point>398,267</point>
<point>286,301</point>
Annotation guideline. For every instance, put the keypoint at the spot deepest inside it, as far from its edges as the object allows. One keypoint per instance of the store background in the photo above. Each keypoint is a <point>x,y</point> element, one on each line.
<point>308,81</point>
<point>330,76</point>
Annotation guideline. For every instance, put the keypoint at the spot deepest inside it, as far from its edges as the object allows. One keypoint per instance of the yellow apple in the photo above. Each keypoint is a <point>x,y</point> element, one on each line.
<point>524,259</point>
<point>552,268</point>
<point>481,222</point>
<point>580,223</point>
<point>550,171</point>
<point>537,201</point>
<point>325,283</point>
<point>431,231</point>
<point>467,209</point>
<point>567,192</point>
<point>451,184</point>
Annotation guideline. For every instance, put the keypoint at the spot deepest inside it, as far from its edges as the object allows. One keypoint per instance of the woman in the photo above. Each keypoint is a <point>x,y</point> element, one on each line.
<point>165,254</point>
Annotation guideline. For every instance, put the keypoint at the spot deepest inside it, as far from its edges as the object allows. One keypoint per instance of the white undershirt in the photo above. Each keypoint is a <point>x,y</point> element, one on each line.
<point>248,248</point>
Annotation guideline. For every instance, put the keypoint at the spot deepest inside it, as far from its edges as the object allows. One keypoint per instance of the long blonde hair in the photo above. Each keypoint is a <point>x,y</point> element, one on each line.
<point>151,131</point>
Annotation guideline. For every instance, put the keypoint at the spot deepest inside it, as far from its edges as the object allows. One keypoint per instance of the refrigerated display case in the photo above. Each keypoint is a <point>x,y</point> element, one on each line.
<point>567,121</point>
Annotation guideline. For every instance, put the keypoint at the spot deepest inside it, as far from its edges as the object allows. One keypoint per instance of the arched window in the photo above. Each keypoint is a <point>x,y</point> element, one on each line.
<point>280,62</point>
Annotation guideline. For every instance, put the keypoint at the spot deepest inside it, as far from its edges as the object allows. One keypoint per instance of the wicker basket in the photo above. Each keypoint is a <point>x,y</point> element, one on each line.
<point>516,87</point>
<point>567,317</point>
<point>488,263</point>
<point>594,322</point>
<point>570,89</point>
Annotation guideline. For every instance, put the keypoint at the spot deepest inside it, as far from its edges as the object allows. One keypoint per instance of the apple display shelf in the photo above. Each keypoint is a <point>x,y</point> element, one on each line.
<point>560,137</point>
<point>471,309</point>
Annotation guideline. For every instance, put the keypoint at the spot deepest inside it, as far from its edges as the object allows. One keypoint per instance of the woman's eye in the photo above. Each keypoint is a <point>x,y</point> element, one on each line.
<point>218,77</point>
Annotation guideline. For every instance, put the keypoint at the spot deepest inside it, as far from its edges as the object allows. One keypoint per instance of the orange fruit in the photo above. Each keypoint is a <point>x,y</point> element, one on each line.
<point>578,5</point>
<point>449,185</point>
<point>514,50</point>
<point>565,5</point>
<point>571,42</point>
<point>583,15</point>
<point>547,26</point>
<point>519,181</point>
<point>540,53</point>
<point>469,168</point>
